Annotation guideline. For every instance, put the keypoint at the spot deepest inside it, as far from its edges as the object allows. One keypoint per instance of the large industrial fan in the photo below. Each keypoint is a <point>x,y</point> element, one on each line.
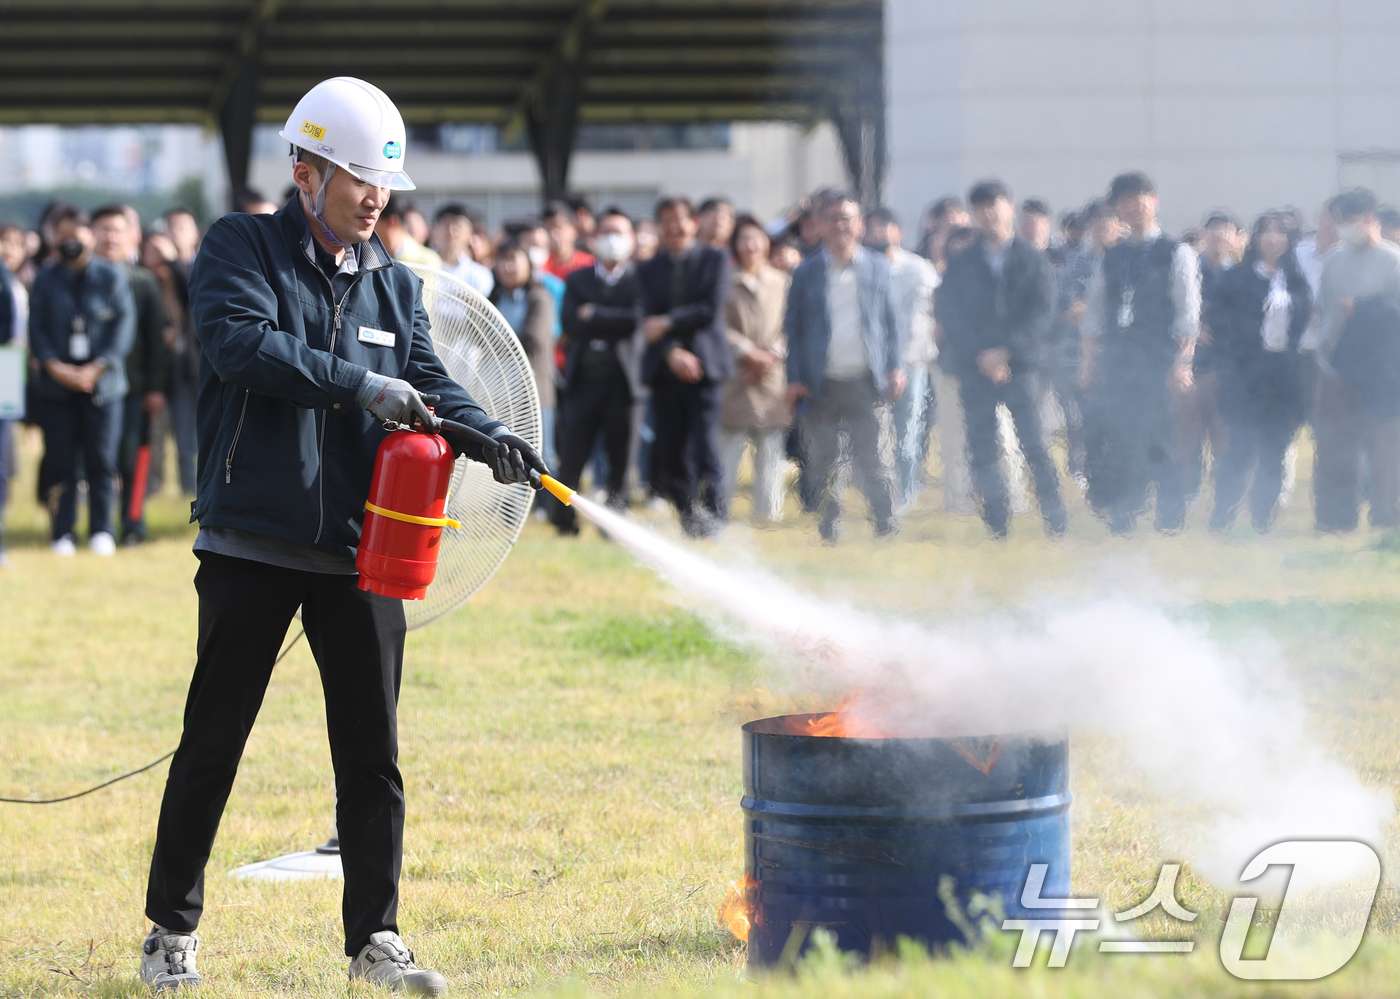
<point>484,355</point>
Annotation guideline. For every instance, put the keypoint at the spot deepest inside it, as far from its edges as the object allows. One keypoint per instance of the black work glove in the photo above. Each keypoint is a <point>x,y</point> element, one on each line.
<point>515,460</point>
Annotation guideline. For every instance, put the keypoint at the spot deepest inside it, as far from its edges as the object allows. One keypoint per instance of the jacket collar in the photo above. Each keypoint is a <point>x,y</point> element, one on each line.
<point>372,255</point>
<point>857,261</point>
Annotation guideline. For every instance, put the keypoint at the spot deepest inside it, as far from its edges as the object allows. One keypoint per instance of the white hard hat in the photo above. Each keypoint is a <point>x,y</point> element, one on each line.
<point>354,125</point>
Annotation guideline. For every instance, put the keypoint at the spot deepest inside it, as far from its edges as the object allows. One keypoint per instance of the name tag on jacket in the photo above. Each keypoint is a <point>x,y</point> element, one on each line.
<point>381,337</point>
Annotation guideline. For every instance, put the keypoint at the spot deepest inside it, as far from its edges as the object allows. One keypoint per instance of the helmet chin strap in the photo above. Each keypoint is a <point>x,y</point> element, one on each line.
<point>318,208</point>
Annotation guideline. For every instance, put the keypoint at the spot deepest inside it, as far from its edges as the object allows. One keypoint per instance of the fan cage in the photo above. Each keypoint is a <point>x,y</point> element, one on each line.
<point>483,354</point>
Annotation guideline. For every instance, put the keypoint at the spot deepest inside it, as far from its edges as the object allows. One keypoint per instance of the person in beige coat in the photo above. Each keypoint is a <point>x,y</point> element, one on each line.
<point>753,407</point>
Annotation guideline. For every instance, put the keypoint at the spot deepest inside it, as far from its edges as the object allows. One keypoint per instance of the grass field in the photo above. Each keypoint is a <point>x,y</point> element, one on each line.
<point>571,756</point>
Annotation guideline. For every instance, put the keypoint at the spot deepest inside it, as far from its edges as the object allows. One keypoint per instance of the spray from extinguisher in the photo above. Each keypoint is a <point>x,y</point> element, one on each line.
<point>406,510</point>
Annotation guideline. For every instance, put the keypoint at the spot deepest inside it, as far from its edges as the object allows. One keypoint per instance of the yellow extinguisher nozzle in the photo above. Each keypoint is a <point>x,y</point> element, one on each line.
<point>561,492</point>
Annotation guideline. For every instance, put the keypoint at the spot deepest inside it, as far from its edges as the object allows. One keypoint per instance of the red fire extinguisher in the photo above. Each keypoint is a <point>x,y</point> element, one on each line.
<point>399,545</point>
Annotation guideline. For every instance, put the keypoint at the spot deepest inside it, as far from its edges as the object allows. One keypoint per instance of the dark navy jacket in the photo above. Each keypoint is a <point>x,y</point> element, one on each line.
<point>697,320</point>
<point>1147,348</point>
<point>110,315</point>
<point>1255,382</point>
<point>807,321</point>
<point>284,449</point>
<point>616,320</point>
<point>980,310</point>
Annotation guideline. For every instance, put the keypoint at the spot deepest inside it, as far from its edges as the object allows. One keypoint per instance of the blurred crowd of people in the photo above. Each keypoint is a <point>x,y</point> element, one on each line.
<point>666,349</point>
<point>100,302</point>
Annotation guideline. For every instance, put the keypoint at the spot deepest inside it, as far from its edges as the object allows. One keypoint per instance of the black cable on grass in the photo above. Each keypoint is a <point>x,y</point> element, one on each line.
<point>99,787</point>
<point>130,773</point>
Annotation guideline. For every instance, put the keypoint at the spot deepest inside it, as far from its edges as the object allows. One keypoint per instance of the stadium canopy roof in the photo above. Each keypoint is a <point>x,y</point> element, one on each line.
<point>540,66</point>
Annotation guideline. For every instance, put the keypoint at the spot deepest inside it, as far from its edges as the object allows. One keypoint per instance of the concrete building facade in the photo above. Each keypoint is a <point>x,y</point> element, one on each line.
<point>1237,104</point>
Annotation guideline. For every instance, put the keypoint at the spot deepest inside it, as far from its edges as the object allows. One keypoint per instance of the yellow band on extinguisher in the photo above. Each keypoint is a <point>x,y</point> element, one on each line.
<point>409,518</point>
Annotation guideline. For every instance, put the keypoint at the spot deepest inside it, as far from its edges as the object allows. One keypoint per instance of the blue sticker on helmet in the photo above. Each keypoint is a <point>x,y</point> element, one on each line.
<point>392,150</point>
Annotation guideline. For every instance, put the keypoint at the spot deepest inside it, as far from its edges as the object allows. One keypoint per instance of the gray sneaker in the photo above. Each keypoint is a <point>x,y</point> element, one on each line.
<point>167,959</point>
<point>386,961</point>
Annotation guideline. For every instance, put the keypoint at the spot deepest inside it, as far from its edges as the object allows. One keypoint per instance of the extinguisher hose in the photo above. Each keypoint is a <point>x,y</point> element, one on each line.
<point>489,444</point>
<point>484,439</point>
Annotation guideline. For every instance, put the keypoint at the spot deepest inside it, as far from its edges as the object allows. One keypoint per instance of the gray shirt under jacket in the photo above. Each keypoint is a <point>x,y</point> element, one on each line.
<point>272,551</point>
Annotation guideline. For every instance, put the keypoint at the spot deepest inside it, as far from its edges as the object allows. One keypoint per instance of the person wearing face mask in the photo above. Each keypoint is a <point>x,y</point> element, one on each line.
<point>82,323</point>
<point>1259,310</point>
<point>602,365</point>
<point>533,235</point>
<point>314,343</point>
<point>1359,277</point>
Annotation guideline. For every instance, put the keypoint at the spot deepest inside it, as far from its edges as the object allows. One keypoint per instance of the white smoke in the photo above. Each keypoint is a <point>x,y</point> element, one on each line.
<point>1223,739</point>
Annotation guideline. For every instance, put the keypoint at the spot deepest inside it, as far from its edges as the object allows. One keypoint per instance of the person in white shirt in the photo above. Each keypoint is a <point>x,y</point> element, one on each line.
<point>451,237</point>
<point>913,280</point>
<point>844,362</point>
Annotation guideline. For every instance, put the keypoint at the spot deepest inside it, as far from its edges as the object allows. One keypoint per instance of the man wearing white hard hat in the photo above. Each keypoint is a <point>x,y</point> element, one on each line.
<point>312,339</point>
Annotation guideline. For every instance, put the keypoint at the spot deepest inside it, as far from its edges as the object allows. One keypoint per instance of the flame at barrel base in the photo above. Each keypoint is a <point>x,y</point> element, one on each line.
<point>736,912</point>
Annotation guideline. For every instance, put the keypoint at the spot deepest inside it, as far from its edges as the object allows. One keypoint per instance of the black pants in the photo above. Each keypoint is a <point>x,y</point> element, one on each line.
<point>593,405</point>
<point>357,638</point>
<point>848,405</point>
<point>685,459</point>
<point>1131,444</point>
<point>73,429</point>
<point>1350,438</point>
<point>980,398</point>
<point>1261,414</point>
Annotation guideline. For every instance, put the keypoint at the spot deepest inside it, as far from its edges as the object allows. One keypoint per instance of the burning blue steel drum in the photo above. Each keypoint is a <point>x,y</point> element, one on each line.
<point>855,834</point>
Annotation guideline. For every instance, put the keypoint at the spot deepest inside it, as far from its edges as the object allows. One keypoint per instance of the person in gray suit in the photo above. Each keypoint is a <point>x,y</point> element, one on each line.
<point>844,363</point>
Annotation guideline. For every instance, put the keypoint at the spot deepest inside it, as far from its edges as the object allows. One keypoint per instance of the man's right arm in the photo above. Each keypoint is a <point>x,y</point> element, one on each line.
<point>1328,314</point>
<point>235,315</point>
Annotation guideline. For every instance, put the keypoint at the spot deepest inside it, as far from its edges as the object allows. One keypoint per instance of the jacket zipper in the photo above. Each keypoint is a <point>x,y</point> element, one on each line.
<point>321,442</point>
<point>237,432</point>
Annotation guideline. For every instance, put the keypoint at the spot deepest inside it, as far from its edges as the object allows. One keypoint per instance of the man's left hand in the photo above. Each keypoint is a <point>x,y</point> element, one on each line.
<point>88,374</point>
<point>995,365</point>
<point>152,403</point>
<point>515,460</point>
<point>685,365</point>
